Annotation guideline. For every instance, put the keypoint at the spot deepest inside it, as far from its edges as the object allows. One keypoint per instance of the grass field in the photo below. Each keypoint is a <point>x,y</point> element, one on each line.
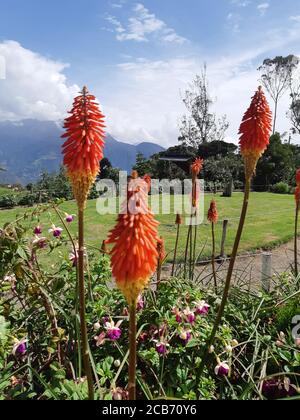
<point>5,191</point>
<point>270,222</point>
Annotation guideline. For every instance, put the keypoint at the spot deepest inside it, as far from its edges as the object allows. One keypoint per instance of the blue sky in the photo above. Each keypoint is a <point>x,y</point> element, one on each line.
<point>138,56</point>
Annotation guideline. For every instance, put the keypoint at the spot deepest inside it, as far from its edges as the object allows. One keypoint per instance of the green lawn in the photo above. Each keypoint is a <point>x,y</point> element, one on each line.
<point>270,222</point>
<point>5,191</point>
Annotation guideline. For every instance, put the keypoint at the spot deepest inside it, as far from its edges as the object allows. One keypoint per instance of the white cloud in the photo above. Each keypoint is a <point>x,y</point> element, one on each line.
<point>234,21</point>
<point>262,8</point>
<point>295,18</point>
<point>35,86</point>
<point>240,3</point>
<point>142,25</point>
<point>145,102</point>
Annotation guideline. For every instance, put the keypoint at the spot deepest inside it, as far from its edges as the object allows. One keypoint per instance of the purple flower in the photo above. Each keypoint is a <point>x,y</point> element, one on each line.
<point>202,308</point>
<point>113,332</point>
<point>190,316</point>
<point>222,369</point>
<point>37,230</point>
<point>161,347</point>
<point>73,258</point>
<point>100,339</point>
<point>56,231</point>
<point>39,242</point>
<point>140,304</point>
<point>69,217</point>
<point>20,348</point>
<point>273,389</point>
<point>178,315</point>
<point>185,336</point>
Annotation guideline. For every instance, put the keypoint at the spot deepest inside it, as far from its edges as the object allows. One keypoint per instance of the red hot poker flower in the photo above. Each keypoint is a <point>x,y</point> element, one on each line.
<point>83,149</point>
<point>255,131</point>
<point>178,220</point>
<point>196,167</point>
<point>161,250</point>
<point>213,216</point>
<point>134,255</point>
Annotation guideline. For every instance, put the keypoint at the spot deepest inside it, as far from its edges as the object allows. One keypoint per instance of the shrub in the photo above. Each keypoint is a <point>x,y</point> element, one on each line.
<point>8,201</point>
<point>281,188</point>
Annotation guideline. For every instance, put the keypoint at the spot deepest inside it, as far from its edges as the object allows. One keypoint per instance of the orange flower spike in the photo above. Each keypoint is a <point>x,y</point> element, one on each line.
<point>213,216</point>
<point>178,220</point>
<point>161,250</point>
<point>134,255</point>
<point>83,149</point>
<point>196,167</point>
<point>298,177</point>
<point>255,131</point>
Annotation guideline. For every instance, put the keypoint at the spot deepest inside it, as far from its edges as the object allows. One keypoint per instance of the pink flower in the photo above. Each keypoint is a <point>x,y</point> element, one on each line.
<point>73,258</point>
<point>161,347</point>
<point>140,303</point>
<point>100,340</point>
<point>37,230</point>
<point>185,336</point>
<point>202,308</point>
<point>222,369</point>
<point>20,348</point>
<point>178,315</point>
<point>113,331</point>
<point>190,316</point>
<point>39,242</point>
<point>69,217</point>
<point>56,231</point>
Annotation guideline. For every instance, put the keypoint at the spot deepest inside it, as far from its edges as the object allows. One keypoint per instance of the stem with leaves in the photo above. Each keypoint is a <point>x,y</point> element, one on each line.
<point>82,310</point>
<point>175,251</point>
<point>132,352</point>
<point>213,257</point>
<point>228,279</point>
<point>296,240</point>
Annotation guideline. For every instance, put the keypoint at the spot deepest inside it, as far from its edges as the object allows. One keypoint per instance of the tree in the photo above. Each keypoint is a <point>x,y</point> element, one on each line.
<point>278,164</point>
<point>276,77</point>
<point>142,165</point>
<point>201,125</point>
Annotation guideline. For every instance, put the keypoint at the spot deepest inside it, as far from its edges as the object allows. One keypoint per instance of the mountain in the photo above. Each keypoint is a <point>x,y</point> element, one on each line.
<point>30,147</point>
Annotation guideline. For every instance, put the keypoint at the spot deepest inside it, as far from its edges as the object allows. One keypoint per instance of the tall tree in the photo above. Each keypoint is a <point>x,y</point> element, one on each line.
<point>276,77</point>
<point>201,125</point>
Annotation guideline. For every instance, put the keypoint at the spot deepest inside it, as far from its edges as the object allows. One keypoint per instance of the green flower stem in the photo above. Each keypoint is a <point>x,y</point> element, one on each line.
<point>132,352</point>
<point>175,251</point>
<point>213,257</point>
<point>220,314</point>
<point>296,240</point>
<point>82,309</point>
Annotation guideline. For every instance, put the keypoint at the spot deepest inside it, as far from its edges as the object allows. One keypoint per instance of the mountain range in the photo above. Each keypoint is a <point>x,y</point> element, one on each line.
<point>29,147</point>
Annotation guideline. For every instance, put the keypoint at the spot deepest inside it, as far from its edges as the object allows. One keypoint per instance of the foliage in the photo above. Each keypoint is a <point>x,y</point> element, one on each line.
<point>8,201</point>
<point>201,124</point>
<point>278,164</point>
<point>281,188</point>
<point>50,369</point>
<point>276,76</point>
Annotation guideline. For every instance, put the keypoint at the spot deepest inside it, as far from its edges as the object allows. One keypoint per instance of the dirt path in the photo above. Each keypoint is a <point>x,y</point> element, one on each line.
<point>248,268</point>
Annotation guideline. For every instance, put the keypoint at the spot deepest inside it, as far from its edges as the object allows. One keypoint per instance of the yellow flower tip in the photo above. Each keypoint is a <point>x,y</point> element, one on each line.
<point>132,289</point>
<point>251,158</point>
<point>81,185</point>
